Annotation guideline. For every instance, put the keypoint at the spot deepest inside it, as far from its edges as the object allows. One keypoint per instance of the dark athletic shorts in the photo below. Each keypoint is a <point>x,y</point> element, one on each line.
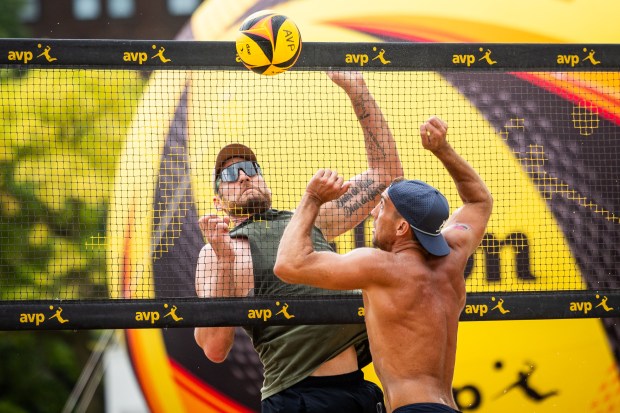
<point>348,393</point>
<point>425,408</point>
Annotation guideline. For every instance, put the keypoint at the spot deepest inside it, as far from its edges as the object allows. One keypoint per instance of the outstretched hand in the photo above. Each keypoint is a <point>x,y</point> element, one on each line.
<point>326,185</point>
<point>347,80</point>
<point>433,133</point>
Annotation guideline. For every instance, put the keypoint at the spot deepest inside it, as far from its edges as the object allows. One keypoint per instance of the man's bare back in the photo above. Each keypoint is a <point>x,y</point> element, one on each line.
<point>409,320</point>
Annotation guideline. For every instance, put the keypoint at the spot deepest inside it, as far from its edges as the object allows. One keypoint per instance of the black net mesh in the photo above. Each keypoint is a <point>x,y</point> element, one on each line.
<point>105,172</point>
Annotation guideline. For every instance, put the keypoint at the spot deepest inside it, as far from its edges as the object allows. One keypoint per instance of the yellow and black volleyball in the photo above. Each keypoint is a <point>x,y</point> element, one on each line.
<point>268,43</point>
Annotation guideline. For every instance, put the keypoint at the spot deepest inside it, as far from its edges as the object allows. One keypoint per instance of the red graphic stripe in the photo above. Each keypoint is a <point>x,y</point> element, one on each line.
<point>576,98</point>
<point>203,392</point>
<point>414,38</point>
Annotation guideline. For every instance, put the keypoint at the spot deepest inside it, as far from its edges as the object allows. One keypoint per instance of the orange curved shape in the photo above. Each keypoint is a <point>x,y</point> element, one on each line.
<point>197,395</point>
<point>438,29</point>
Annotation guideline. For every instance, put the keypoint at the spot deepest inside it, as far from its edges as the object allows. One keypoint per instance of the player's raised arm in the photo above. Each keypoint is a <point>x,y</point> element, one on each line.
<point>297,261</point>
<point>384,165</point>
<point>214,278</point>
<point>466,226</point>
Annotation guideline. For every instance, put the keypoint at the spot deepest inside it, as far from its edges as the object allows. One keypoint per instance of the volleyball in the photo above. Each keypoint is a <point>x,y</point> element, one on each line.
<point>268,43</point>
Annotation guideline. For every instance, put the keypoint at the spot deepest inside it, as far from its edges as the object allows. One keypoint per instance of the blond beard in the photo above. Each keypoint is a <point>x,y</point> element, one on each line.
<point>251,206</point>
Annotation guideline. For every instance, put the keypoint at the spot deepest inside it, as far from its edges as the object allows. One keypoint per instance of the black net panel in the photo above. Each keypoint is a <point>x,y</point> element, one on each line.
<point>107,153</point>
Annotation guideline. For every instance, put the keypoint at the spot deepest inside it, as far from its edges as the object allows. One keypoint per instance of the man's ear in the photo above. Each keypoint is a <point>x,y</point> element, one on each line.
<point>402,228</point>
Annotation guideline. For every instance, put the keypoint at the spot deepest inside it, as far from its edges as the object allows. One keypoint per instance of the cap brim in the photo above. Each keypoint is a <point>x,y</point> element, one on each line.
<point>234,150</point>
<point>435,245</point>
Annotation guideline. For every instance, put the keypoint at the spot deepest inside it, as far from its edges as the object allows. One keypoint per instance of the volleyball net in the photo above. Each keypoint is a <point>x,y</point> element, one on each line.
<point>107,150</point>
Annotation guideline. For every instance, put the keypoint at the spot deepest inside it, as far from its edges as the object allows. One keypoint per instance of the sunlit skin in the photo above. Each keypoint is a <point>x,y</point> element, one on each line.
<point>382,239</point>
<point>248,195</point>
<point>412,299</point>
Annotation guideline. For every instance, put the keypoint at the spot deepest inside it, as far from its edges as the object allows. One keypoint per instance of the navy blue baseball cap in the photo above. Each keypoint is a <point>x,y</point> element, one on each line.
<point>425,209</point>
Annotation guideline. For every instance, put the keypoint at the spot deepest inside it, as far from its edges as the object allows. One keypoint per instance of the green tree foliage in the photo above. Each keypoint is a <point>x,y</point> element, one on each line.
<point>60,141</point>
<point>38,370</point>
<point>10,25</point>
<point>61,135</point>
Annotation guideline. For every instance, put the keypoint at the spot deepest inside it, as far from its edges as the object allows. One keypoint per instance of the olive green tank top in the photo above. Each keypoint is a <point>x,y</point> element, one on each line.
<point>289,354</point>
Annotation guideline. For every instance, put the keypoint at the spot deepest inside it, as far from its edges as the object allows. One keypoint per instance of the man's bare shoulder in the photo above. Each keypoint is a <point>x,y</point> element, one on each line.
<point>459,226</point>
<point>369,260</point>
<point>462,237</point>
<point>370,253</point>
<point>457,232</point>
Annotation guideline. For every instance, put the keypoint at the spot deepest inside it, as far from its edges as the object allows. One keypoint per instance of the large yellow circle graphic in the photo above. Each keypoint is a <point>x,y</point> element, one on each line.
<point>501,366</point>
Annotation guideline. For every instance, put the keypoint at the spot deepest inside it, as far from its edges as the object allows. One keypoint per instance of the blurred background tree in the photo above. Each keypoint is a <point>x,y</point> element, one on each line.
<point>39,369</point>
<point>10,24</point>
<point>62,134</point>
<point>60,140</point>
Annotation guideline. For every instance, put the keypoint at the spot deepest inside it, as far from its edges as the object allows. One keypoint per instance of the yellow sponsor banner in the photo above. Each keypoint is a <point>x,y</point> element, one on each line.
<point>508,366</point>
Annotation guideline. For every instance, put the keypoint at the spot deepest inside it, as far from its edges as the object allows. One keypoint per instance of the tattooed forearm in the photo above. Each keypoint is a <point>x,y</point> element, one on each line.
<point>360,194</point>
<point>359,105</point>
<point>376,151</point>
<point>374,148</point>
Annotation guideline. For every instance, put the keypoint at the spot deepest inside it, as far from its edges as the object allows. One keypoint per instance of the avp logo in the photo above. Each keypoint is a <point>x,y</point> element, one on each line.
<point>470,397</point>
<point>362,59</point>
<point>172,313</point>
<point>32,318</point>
<point>499,306</point>
<point>25,56</point>
<point>141,57</point>
<point>266,313</point>
<point>586,306</point>
<point>603,303</point>
<point>470,59</point>
<point>572,59</point>
<point>154,316</point>
<point>482,309</point>
<point>39,318</point>
<point>291,41</point>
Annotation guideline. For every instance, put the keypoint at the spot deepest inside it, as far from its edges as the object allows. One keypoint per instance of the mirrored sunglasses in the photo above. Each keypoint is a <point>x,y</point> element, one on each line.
<point>231,172</point>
